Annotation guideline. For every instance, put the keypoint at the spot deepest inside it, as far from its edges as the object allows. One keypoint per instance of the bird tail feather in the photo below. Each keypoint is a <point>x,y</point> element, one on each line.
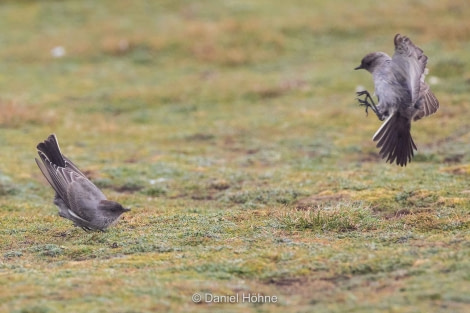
<point>50,148</point>
<point>394,139</point>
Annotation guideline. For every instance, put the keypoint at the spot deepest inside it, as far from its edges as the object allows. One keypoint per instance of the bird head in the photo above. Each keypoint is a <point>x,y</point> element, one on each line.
<point>112,207</point>
<point>372,60</point>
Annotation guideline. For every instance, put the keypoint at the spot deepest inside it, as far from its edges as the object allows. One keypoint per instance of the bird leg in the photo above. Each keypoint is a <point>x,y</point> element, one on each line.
<point>365,102</point>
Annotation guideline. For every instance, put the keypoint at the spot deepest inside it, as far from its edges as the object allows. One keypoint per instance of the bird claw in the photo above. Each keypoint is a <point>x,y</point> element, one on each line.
<point>363,92</point>
<point>365,102</point>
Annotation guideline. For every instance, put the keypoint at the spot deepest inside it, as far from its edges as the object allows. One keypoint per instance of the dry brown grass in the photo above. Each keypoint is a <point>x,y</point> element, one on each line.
<point>14,114</point>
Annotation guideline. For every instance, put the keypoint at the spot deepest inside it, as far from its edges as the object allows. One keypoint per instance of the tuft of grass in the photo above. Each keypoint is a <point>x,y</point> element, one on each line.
<point>340,217</point>
<point>444,221</point>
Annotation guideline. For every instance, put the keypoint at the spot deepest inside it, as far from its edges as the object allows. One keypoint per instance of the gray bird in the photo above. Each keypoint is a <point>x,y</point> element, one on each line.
<point>78,199</point>
<point>403,97</point>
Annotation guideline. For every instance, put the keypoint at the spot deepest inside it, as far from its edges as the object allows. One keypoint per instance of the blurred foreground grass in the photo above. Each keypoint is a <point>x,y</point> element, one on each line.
<point>231,129</point>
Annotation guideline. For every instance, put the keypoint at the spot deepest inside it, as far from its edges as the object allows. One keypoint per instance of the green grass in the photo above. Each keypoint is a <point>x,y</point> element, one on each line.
<point>232,131</point>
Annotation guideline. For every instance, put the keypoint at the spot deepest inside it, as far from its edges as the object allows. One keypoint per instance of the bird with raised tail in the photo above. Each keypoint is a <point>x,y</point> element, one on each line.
<point>77,198</point>
<point>402,95</point>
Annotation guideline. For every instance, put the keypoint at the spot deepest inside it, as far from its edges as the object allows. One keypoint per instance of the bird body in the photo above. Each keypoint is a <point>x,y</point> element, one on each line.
<point>403,97</point>
<point>77,198</point>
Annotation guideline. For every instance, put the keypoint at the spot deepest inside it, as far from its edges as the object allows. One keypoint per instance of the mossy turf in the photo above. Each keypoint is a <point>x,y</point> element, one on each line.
<point>231,130</point>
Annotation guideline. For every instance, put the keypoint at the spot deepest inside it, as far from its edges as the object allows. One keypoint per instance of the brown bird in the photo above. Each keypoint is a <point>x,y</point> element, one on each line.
<point>78,199</point>
<point>403,97</point>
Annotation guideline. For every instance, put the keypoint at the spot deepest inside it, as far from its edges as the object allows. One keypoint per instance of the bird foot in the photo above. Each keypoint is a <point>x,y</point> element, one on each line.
<point>368,102</point>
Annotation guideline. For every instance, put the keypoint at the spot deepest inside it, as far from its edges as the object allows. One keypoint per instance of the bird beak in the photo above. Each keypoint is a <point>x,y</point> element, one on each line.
<point>359,67</point>
<point>126,209</point>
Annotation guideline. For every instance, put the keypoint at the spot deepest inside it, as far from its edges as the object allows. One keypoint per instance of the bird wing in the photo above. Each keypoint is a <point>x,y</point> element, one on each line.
<point>409,62</point>
<point>72,166</point>
<point>54,175</point>
<point>77,191</point>
<point>428,102</point>
<point>84,197</point>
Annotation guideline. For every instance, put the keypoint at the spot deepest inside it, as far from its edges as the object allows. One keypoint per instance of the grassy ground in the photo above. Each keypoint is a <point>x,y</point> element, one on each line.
<point>232,131</point>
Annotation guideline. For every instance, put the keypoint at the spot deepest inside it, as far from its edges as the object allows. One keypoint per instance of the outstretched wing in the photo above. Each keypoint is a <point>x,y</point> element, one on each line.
<point>427,103</point>
<point>410,61</point>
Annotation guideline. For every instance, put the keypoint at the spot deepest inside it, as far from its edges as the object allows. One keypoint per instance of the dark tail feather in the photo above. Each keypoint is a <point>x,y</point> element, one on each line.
<point>395,141</point>
<point>50,148</point>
